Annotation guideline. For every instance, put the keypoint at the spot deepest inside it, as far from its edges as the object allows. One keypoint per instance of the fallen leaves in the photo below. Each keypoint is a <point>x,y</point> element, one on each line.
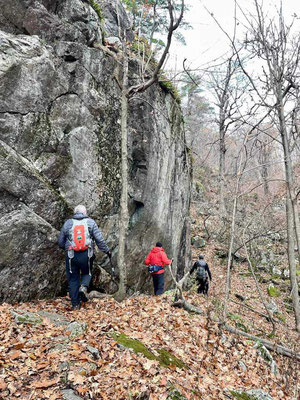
<point>39,361</point>
<point>44,384</point>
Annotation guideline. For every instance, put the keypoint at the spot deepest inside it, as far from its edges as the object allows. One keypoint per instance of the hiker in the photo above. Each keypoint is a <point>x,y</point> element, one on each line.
<point>156,260</point>
<point>76,237</point>
<point>202,275</point>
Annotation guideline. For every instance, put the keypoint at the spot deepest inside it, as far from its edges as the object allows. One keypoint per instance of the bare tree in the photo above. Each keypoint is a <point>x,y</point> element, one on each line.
<point>272,43</point>
<point>228,88</point>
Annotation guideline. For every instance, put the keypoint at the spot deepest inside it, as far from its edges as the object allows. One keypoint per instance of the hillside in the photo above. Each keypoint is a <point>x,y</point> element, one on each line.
<point>50,359</point>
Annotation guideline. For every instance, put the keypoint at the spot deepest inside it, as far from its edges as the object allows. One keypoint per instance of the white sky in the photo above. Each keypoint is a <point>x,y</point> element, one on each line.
<point>206,41</point>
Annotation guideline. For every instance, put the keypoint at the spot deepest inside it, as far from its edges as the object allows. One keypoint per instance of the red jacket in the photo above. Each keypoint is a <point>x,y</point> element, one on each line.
<point>157,256</point>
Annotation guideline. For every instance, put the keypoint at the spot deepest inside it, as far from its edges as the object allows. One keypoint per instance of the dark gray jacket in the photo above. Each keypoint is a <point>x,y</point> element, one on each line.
<point>64,238</point>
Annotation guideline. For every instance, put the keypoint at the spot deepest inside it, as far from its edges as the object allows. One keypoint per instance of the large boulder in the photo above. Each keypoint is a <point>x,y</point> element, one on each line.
<point>60,146</point>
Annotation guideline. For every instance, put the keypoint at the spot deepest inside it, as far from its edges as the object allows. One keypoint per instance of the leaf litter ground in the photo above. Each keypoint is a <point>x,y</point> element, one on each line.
<point>40,361</point>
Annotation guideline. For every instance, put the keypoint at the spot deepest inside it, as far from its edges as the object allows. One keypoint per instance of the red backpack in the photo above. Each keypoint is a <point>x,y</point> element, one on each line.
<point>80,236</point>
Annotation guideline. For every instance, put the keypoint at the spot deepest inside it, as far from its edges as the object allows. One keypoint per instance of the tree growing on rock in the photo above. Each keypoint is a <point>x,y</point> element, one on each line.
<point>127,93</point>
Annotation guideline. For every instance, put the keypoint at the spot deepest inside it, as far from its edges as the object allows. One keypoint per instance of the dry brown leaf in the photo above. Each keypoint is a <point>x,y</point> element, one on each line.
<point>44,384</point>
<point>2,384</point>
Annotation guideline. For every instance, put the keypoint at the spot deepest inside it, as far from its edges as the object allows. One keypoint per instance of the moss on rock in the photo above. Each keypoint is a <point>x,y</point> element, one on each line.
<point>273,292</point>
<point>164,358</point>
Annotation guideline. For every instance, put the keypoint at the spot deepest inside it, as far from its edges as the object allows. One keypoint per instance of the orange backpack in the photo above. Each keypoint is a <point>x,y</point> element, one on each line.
<point>80,236</point>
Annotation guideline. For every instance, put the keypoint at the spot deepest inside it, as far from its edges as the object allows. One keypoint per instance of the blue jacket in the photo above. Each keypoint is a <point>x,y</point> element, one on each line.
<point>64,238</point>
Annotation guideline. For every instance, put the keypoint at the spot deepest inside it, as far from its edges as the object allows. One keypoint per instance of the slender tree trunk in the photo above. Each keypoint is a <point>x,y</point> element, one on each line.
<point>222,151</point>
<point>290,215</point>
<point>264,173</point>
<point>124,219</point>
<point>297,224</point>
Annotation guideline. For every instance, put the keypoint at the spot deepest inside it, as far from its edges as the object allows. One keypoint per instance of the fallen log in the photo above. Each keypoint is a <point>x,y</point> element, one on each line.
<point>285,351</point>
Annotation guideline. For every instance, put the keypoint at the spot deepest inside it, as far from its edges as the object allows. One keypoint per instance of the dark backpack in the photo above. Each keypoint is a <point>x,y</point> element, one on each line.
<point>201,270</point>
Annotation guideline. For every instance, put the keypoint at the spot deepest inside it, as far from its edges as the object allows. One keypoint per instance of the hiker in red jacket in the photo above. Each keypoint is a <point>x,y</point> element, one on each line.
<point>156,260</point>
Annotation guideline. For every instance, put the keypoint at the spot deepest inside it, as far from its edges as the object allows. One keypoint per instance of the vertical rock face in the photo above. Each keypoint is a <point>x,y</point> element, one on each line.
<point>60,146</point>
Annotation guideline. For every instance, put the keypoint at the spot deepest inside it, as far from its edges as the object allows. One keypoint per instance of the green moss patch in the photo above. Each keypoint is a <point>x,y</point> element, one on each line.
<point>174,394</point>
<point>164,358</point>
<point>273,292</point>
<point>241,396</point>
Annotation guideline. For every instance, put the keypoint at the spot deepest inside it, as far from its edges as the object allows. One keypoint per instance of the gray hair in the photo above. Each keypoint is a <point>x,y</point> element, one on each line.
<point>80,209</point>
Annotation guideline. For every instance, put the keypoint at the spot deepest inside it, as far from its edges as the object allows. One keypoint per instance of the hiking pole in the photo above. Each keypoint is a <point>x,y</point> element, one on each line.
<point>112,266</point>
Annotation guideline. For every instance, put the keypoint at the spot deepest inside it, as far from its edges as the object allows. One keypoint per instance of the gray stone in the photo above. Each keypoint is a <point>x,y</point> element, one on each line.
<point>272,307</point>
<point>55,319</point>
<point>258,394</point>
<point>26,317</point>
<point>69,394</point>
<point>252,394</point>
<point>267,356</point>
<point>76,329</point>
<point>242,365</point>
<point>286,273</point>
<point>276,271</point>
<point>60,146</point>
<point>198,242</point>
<point>95,352</point>
<point>113,40</point>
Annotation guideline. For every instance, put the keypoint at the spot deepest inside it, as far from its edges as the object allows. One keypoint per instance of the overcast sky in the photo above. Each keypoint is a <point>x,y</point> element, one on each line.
<point>206,41</point>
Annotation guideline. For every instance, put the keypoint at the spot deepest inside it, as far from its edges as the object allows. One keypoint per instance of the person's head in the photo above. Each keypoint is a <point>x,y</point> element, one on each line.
<point>158,244</point>
<point>80,209</point>
<point>201,257</point>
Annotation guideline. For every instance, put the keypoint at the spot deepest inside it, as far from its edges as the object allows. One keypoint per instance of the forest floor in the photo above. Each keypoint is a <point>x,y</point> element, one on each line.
<point>143,348</point>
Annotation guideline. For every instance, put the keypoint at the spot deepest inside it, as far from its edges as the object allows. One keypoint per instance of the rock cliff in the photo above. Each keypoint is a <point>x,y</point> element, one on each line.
<point>60,146</point>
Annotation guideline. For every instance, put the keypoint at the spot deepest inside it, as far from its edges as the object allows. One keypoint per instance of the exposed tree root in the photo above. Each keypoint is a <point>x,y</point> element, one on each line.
<point>187,306</point>
<point>94,294</point>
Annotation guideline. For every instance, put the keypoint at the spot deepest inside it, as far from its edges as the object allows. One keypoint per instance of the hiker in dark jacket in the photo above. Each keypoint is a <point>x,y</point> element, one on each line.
<point>157,257</point>
<point>77,237</point>
<point>203,273</point>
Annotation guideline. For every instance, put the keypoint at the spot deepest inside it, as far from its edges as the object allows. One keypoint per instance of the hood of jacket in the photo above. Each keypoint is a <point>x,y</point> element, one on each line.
<point>157,249</point>
<point>79,216</point>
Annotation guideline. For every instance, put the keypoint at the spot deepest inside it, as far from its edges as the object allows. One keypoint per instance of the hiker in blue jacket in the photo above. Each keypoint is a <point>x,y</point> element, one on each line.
<point>77,238</point>
<point>202,275</point>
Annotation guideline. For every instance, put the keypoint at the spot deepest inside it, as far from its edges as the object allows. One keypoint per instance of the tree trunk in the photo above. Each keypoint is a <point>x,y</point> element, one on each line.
<point>265,172</point>
<point>290,215</point>
<point>124,219</point>
<point>222,151</point>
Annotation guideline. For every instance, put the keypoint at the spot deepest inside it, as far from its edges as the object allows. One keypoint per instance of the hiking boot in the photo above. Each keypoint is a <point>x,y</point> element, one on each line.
<point>76,307</point>
<point>83,293</point>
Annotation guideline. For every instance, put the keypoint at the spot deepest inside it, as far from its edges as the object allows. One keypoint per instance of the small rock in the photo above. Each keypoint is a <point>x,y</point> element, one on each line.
<point>69,394</point>
<point>275,271</point>
<point>259,394</point>
<point>286,273</point>
<point>253,394</point>
<point>76,329</point>
<point>198,243</point>
<point>242,365</point>
<point>94,352</point>
<point>267,356</point>
<point>272,307</point>
<point>113,40</point>
<point>63,366</point>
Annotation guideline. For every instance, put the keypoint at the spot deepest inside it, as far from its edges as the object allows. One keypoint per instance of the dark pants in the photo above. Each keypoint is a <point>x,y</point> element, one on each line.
<point>158,283</point>
<point>80,274</point>
<point>203,286</point>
